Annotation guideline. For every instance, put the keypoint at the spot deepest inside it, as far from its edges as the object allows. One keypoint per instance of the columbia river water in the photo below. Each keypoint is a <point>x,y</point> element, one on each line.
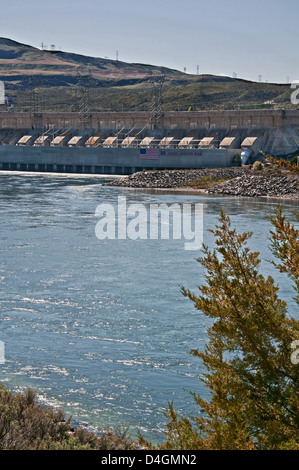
<point>100,327</point>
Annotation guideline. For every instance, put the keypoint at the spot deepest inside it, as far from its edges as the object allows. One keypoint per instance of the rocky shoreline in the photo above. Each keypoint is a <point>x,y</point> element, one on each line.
<point>283,186</point>
<point>238,181</point>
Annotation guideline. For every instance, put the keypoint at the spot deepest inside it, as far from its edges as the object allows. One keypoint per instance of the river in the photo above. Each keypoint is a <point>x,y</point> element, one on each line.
<point>99,327</point>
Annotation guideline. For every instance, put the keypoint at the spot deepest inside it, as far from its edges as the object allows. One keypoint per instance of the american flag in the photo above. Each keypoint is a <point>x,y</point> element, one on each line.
<point>149,154</point>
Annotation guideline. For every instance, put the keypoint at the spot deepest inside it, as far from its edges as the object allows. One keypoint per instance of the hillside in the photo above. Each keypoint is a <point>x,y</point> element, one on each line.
<point>43,80</point>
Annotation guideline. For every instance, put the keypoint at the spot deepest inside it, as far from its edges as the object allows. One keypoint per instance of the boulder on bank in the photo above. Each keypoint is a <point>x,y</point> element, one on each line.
<point>279,186</point>
<point>239,181</point>
<point>174,178</point>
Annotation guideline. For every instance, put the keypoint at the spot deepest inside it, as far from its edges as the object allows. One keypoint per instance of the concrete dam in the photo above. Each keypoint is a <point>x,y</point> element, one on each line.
<point>126,142</point>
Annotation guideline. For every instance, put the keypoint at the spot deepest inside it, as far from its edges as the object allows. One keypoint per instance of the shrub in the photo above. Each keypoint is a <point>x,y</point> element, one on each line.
<point>251,377</point>
<point>26,425</point>
<point>237,160</point>
<point>282,163</point>
<point>257,166</point>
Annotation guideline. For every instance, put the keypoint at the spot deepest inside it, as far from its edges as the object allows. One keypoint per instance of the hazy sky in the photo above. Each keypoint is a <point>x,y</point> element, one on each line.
<point>249,38</point>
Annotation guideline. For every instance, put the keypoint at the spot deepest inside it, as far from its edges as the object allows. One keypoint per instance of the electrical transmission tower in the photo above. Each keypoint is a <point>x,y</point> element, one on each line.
<point>156,111</point>
<point>83,96</point>
<point>36,96</point>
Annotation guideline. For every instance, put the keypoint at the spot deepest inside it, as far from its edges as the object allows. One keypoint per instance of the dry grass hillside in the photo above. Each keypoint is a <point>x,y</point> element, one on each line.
<point>43,80</point>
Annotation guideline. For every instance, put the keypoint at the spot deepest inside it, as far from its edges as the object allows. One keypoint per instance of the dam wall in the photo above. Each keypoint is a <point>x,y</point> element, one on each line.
<point>277,130</point>
<point>108,160</point>
<point>171,120</point>
<point>123,143</point>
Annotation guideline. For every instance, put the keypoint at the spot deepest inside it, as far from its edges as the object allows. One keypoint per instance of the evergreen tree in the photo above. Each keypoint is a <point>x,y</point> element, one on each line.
<point>252,381</point>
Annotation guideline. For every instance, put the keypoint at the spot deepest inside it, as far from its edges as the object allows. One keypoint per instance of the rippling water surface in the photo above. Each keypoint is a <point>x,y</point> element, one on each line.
<point>100,327</point>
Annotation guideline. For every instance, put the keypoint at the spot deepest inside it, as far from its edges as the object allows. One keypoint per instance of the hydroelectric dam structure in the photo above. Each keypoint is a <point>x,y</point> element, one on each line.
<point>125,142</point>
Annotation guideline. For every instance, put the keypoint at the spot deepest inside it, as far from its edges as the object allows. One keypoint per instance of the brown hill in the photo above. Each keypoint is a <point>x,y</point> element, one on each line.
<point>41,80</point>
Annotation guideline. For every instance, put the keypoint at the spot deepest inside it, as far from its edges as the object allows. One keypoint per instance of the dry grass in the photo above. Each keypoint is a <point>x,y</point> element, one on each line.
<point>206,182</point>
